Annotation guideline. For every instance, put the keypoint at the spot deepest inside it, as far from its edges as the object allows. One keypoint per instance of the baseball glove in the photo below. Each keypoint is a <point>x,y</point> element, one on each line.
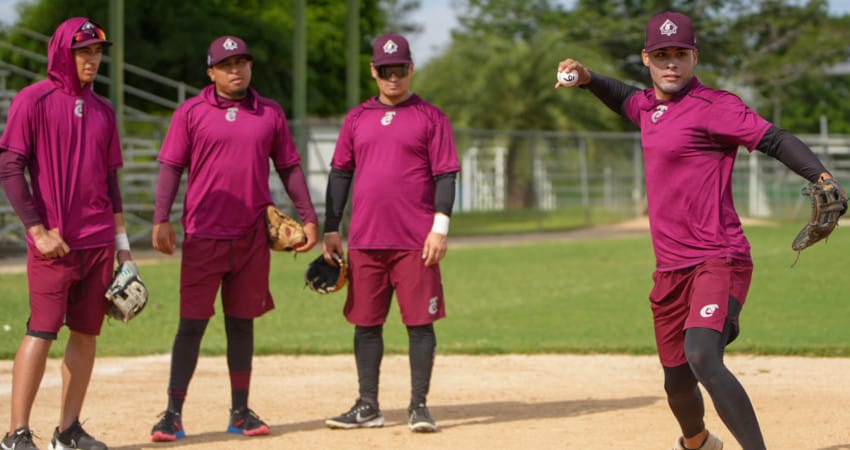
<point>285,233</point>
<point>325,278</point>
<point>127,294</point>
<point>828,204</point>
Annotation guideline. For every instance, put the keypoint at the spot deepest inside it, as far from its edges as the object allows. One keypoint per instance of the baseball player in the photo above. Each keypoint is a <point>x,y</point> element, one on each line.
<point>225,137</point>
<point>65,136</point>
<point>690,135</point>
<point>399,151</point>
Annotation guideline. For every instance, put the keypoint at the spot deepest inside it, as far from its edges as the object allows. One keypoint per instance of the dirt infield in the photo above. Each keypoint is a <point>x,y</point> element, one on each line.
<point>502,402</point>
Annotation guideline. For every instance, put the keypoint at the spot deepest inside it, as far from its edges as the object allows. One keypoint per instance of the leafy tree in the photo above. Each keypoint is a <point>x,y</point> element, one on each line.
<point>171,39</point>
<point>499,74</point>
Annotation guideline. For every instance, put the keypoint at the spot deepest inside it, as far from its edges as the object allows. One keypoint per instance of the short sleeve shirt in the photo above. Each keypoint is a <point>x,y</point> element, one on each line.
<point>227,147</point>
<point>395,152</point>
<point>71,142</point>
<point>689,144</point>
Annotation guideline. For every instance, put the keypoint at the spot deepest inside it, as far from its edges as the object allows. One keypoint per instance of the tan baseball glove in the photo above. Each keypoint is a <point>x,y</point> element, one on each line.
<point>829,202</point>
<point>285,233</point>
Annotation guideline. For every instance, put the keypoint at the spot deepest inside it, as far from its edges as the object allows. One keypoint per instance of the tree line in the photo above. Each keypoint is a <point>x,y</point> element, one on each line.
<point>498,71</point>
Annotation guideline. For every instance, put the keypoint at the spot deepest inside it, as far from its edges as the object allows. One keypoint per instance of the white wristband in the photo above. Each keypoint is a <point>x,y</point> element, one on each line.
<point>121,242</point>
<point>441,224</point>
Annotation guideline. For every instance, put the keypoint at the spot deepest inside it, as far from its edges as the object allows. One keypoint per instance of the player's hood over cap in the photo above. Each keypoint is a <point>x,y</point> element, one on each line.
<point>391,49</point>
<point>224,47</point>
<point>75,32</point>
<point>669,29</point>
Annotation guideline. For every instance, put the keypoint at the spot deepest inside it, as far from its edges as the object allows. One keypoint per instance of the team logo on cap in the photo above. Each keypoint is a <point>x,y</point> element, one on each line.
<point>390,47</point>
<point>668,28</point>
<point>230,45</point>
<point>87,26</point>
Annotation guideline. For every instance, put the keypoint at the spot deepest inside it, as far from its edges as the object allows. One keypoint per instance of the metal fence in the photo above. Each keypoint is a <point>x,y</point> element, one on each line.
<point>581,172</point>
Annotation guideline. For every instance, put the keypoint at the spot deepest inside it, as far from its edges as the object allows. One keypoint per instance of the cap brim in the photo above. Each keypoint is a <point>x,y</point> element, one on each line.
<point>669,45</point>
<point>212,63</point>
<point>391,62</point>
<point>88,42</point>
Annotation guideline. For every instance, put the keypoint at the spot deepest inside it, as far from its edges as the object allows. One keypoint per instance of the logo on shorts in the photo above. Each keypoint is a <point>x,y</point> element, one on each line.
<point>708,310</point>
<point>388,118</point>
<point>659,111</point>
<point>230,116</point>
<point>432,305</point>
<point>78,108</point>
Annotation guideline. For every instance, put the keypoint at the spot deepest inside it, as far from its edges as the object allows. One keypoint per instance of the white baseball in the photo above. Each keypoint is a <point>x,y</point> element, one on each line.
<point>568,78</point>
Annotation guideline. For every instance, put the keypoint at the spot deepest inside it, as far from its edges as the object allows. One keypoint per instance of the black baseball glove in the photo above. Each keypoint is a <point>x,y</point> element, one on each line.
<point>829,202</point>
<point>325,278</point>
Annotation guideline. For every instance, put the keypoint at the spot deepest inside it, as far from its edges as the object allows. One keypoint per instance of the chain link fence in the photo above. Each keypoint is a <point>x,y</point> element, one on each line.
<point>581,173</point>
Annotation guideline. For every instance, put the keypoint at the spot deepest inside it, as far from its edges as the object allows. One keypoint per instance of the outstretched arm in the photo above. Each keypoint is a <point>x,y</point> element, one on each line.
<point>612,92</point>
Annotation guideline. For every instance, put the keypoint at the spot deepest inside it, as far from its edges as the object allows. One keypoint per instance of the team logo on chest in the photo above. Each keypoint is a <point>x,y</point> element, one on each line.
<point>659,111</point>
<point>230,116</point>
<point>388,118</point>
<point>78,107</point>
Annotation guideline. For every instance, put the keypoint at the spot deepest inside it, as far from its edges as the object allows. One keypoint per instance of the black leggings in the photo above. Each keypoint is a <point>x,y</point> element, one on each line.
<point>704,352</point>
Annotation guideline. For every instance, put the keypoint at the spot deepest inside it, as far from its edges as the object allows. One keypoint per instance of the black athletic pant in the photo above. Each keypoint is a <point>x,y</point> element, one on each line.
<point>704,350</point>
<point>187,347</point>
<point>369,351</point>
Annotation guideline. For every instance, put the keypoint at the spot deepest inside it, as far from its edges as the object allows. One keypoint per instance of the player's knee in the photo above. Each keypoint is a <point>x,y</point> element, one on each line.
<point>191,327</point>
<point>679,381</point>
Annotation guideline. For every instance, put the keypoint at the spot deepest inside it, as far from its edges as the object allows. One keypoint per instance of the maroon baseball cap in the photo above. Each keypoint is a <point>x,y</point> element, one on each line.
<point>224,47</point>
<point>670,29</point>
<point>90,33</point>
<point>391,49</point>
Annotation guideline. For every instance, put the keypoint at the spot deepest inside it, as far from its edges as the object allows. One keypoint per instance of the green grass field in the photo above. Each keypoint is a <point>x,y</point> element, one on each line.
<point>587,296</point>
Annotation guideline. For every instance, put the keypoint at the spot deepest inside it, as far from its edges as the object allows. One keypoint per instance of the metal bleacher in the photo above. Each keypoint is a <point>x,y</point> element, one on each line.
<point>142,137</point>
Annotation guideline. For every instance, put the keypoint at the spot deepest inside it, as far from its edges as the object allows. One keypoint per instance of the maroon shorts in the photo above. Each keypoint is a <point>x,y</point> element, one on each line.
<point>375,274</point>
<point>68,290</point>
<point>239,266</point>
<point>696,297</point>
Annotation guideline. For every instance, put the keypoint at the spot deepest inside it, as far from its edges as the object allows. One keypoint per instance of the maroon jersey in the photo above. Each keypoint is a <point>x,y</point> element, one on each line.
<point>69,136</point>
<point>395,152</point>
<point>227,146</point>
<point>691,141</point>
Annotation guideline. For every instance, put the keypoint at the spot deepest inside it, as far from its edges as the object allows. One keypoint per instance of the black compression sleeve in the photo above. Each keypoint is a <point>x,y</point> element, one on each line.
<point>444,197</point>
<point>114,191</point>
<point>336,196</point>
<point>791,151</point>
<point>611,91</point>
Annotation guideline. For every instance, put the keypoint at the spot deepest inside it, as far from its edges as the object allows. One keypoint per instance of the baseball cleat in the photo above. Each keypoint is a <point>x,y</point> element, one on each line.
<point>361,415</point>
<point>169,428</point>
<point>712,442</point>
<point>246,422</point>
<point>421,420</point>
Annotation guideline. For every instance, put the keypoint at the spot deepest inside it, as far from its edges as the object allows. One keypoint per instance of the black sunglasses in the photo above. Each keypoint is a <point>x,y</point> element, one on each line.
<point>399,70</point>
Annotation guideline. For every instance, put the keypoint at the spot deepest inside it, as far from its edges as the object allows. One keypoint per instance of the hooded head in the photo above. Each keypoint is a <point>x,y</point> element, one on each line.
<point>76,32</point>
